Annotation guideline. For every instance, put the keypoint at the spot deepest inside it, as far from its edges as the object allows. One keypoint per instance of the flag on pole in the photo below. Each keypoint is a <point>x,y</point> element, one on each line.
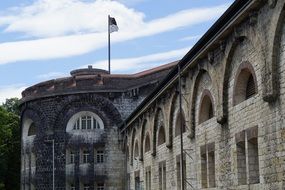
<point>113,25</point>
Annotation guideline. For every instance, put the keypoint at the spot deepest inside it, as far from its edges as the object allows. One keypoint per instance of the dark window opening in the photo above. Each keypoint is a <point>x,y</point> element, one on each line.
<point>250,87</point>
<point>32,129</point>
<point>161,136</point>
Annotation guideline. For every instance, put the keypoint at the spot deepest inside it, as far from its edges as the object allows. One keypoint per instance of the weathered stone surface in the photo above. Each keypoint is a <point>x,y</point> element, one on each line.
<point>232,105</point>
<point>244,139</point>
<point>50,105</point>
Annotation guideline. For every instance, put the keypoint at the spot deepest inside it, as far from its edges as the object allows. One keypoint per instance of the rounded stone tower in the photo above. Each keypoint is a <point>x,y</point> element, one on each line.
<point>70,137</point>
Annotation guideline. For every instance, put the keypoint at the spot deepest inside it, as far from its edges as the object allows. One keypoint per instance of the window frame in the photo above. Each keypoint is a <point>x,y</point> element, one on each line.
<point>71,157</point>
<point>72,187</point>
<point>86,187</point>
<point>147,140</point>
<point>85,121</point>
<point>161,135</point>
<point>100,156</point>
<point>240,83</point>
<point>100,186</point>
<point>85,156</point>
<point>207,105</point>
<point>162,175</point>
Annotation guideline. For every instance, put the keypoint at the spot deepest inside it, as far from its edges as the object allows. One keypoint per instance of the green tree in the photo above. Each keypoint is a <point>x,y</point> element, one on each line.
<point>12,105</point>
<point>10,146</point>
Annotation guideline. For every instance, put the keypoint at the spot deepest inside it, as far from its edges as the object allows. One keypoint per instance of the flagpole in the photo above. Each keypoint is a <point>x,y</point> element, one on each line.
<point>109,46</point>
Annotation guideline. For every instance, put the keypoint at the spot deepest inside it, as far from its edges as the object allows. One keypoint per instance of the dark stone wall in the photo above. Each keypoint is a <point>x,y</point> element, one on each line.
<point>51,115</point>
<point>51,104</point>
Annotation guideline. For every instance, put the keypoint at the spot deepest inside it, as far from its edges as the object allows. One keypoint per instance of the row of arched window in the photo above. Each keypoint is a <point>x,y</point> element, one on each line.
<point>245,88</point>
<point>161,137</point>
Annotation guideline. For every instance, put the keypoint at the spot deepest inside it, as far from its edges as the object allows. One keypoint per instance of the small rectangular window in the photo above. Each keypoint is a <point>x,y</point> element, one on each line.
<point>178,176</point>
<point>211,168</point>
<point>88,120</point>
<point>208,175</point>
<point>94,123</point>
<point>76,125</point>
<point>72,187</point>
<point>83,122</point>
<point>100,156</point>
<point>137,183</point>
<point>86,187</point>
<point>72,157</point>
<point>148,178</point>
<point>162,175</point>
<point>241,163</point>
<point>247,156</point>
<point>253,161</point>
<point>100,186</point>
<point>86,156</point>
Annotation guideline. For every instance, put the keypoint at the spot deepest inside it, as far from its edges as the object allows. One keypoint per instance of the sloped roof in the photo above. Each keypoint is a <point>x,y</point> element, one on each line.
<point>210,40</point>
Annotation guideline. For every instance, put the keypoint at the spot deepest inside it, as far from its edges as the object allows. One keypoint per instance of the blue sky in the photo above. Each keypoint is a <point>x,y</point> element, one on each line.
<point>46,39</point>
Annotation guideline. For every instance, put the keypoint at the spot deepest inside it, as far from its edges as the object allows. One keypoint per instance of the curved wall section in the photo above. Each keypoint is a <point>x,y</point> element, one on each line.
<point>82,156</point>
<point>75,128</point>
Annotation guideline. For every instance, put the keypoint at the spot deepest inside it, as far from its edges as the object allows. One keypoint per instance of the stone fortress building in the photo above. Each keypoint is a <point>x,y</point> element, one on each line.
<point>80,116</point>
<point>224,100</point>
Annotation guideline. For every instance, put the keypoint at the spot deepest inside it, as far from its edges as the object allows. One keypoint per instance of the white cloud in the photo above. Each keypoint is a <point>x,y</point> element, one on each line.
<point>130,22</point>
<point>190,38</point>
<point>57,47</point>
<point>11,91</point>
<point>136,64</point>
<point>50,75</point>
<point>49,18</point>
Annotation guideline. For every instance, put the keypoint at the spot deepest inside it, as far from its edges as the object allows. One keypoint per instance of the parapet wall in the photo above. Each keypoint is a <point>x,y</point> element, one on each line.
<point>95,80</point>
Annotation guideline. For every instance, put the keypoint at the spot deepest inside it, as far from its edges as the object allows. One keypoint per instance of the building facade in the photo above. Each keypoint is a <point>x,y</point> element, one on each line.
<point>232,108</point>
<point>224,100</point>
<point>70,128</point>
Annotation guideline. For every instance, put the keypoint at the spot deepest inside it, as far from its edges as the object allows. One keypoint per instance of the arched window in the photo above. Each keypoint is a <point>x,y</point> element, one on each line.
<point>206,108</point>
<point>136,151</point>
<point>29,129</point>
<point>147,143</point>
<point>179,121</point>
<point>161,136</point>
<point>84,120</point>
<point>245,85</point>
<point>32,129</point>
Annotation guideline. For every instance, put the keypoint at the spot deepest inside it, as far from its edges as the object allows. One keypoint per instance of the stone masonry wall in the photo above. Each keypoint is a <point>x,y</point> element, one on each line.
<point>51,105</point>
<point>50,116</point>
<point>243,145</point>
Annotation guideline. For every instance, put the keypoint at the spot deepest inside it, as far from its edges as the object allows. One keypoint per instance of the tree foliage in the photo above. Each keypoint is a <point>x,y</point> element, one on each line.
<point>10,145</point>
<point>12,105</point>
